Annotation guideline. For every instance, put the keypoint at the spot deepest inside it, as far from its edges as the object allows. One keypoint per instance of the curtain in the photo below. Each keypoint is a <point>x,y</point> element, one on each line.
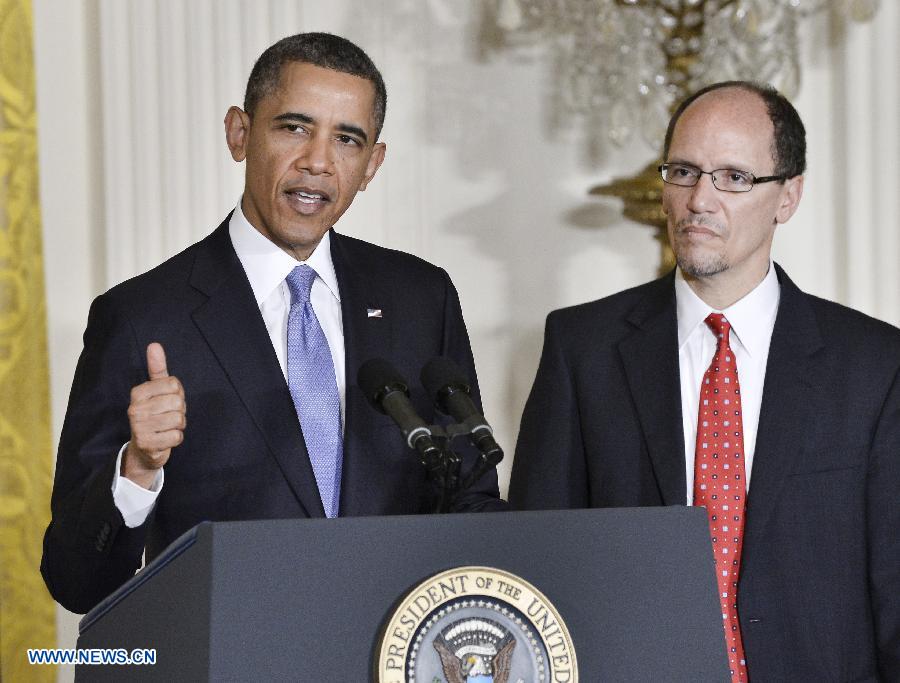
<point>27,613</point>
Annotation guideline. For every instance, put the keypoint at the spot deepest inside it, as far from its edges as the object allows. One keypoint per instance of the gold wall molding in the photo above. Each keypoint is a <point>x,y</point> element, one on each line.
<point>27,613</point>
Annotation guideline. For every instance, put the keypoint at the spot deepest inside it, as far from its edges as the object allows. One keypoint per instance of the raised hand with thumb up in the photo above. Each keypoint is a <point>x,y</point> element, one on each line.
<point>157,414</point>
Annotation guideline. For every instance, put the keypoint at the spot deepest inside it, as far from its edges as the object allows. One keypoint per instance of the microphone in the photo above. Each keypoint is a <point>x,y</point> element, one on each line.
<point>387,392</point>
<point>446,383</point>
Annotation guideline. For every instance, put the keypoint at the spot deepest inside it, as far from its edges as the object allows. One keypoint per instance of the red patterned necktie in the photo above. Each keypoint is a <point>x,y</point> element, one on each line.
<point>719,483</point>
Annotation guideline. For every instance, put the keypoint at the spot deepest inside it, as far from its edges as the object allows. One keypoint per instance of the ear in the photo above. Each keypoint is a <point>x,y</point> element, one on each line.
<point>375,161</point>
<point>789,199</point>
<point>237,132</point>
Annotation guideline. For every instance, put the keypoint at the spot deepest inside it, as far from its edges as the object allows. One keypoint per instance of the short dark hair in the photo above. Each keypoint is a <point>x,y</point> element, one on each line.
<point>319,49</point>
<point>789,139</point>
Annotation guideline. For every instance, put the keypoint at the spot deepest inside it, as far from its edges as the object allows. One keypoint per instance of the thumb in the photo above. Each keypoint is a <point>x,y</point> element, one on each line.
<point>156,361</point>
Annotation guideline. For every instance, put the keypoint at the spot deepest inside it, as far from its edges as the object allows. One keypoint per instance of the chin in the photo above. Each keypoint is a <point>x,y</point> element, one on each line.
<point>303,233</point>
<point>700,266</point>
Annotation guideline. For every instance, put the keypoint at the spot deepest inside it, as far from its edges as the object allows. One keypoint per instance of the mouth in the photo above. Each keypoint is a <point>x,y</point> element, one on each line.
<point>697,230</point>
<point>700,231</point>
<point>306,200</point>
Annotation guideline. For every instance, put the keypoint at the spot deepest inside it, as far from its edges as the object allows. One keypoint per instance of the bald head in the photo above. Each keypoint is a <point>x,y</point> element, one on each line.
<point>788,136</point>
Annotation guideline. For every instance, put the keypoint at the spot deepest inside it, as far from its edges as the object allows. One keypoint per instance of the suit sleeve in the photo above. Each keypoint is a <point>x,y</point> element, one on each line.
<point>484,495</point>
<point>883,520</point>
<point>88,550</point>
<point>549,469</point>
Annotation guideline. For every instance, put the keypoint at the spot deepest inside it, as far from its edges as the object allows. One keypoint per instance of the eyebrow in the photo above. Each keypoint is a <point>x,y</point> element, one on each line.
<point>733,167</point>
<point>306,118</point>
<point>683,162</point>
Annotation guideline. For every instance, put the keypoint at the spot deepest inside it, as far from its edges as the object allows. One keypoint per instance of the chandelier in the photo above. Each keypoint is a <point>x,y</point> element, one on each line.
<point>622,66</point>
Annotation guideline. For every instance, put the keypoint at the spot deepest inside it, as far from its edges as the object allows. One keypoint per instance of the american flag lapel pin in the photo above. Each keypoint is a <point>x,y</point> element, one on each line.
<point>373,312</point>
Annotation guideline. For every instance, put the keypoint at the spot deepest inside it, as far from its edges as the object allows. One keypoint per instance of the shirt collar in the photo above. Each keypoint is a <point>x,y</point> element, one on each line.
<point>752,317</point>
<point>267,266</point>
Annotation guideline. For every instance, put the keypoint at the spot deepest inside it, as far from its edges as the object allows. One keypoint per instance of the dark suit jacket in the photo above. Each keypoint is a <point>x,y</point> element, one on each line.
<point>819,595</point>
<point>243,455</point>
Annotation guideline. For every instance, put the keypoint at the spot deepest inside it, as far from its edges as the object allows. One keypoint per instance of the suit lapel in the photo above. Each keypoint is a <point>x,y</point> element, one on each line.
<point>790,396</point>
<point>650,358</point>
<point>367,312</point>
<point>233,328</point>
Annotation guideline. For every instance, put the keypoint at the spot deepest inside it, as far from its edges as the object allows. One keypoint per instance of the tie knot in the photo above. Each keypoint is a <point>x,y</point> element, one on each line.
<point>719,325</point>
<point>300,281</point>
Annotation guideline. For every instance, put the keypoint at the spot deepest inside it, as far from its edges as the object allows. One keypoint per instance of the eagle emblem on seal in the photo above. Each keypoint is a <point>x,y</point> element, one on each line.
<point>475,650</point>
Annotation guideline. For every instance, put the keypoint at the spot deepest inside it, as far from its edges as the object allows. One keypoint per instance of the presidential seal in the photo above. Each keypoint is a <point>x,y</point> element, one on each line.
<point>476,625</point>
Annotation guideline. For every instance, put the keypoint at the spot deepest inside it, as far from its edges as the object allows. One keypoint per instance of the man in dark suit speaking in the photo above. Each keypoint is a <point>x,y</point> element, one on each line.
<point>220,385</point>
<point>723,385</point>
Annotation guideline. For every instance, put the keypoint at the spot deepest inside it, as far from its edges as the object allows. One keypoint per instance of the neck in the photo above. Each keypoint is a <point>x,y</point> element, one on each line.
<point>721,291</point>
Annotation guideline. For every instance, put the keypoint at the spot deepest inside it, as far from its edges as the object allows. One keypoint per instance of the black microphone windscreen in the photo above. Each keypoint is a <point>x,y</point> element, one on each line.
<point>376,377</point>
<point>440,372</point>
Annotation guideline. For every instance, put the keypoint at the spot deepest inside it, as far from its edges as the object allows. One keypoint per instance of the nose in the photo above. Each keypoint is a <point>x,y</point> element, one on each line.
<point>316,155</point>
<point>704,195</point>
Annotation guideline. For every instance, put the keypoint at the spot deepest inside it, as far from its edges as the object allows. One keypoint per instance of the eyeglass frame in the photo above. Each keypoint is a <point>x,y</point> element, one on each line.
<point>754,180</point>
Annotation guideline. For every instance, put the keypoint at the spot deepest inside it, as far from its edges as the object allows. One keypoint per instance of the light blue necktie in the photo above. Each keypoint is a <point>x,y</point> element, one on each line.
<point>310,372</point>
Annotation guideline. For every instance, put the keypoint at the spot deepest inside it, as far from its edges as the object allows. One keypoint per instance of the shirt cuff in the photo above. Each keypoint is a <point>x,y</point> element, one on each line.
<point>134,501</point>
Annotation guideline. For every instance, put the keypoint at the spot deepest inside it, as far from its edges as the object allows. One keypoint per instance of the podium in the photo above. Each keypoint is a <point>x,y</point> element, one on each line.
<point>308,600</point>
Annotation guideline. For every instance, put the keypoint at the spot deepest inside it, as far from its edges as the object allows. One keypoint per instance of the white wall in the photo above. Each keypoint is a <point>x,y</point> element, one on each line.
<point>131,97</point>
<point>66,63</point>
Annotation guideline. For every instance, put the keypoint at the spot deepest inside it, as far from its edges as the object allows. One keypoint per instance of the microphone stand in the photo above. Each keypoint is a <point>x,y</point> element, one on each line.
<point>445,470</point>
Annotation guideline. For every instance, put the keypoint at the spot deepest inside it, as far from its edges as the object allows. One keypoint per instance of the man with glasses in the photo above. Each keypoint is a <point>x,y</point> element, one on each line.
<point>723,385</point>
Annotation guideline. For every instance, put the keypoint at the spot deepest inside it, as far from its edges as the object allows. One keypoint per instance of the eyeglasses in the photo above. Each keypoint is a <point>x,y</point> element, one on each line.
<point>725,179</point>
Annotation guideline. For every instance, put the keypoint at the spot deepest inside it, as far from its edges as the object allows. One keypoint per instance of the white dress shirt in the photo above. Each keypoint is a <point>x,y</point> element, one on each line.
<point>752,320</point>
<point>266,266</point>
